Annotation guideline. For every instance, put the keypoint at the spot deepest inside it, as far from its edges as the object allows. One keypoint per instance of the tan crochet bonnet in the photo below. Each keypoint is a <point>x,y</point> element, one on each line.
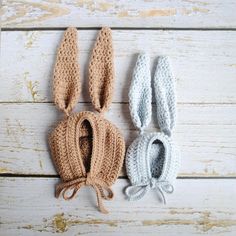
<point>86,148</point>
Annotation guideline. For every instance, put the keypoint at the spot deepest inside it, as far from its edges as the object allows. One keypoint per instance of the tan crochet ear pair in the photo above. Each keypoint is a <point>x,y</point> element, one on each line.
<point>86,148</point>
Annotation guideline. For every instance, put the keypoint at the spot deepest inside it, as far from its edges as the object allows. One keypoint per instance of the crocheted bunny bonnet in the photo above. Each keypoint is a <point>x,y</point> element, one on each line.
<point>86,148</point>
<point>152,161</point>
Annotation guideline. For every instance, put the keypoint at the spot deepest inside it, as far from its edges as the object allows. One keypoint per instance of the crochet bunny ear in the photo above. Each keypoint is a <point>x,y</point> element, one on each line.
<point>101,71</point>
<point>140,93</point>
<point>165,95</point>
<point>66,78</point>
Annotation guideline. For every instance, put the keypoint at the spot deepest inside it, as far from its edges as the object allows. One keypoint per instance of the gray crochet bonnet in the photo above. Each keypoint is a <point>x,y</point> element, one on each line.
<point>152,161</point>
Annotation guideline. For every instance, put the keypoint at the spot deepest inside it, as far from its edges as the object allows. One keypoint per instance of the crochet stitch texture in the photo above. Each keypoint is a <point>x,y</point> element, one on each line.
<point>87,149</point>
<point>152,161</point>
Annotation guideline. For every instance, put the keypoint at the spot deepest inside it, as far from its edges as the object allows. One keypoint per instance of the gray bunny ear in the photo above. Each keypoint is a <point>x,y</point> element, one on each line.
<point>140,93</point>
<point>164,90</point>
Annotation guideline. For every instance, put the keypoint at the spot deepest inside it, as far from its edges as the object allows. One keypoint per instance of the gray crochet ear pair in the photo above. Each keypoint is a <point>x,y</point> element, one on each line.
<point>152,160</point>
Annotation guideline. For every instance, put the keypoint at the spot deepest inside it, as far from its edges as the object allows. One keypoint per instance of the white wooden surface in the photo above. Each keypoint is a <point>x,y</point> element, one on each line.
<point>204,133</point>
<point>198,207</point>
<point>122,13</point>
<point>204,62</point>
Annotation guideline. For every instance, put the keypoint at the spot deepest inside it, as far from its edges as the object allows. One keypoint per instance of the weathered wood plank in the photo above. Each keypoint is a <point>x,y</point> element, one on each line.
<point>142,13</point>
<point>28,207</point>
<point>204,63</point>
<point>206,135</point>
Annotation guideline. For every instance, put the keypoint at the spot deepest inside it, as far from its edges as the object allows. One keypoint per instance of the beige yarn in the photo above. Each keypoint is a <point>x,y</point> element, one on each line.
<point>101,71</point>
<point>66,78</point>
<point>86,148</point>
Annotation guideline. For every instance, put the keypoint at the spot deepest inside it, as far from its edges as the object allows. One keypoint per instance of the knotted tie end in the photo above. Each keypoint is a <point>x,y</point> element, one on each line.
<point>103,191</point>
<point>137,192</point>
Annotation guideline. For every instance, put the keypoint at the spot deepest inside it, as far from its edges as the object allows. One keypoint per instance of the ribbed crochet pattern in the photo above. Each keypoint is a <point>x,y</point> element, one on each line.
<point>86,148</point>
<point>152,161</point>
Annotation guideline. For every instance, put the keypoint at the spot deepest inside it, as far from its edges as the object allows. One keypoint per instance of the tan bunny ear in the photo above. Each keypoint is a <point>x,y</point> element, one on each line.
<point>101,71</point>
<point>66,78</point>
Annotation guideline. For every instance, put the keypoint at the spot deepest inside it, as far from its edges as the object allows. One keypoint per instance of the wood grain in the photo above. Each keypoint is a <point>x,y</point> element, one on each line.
<point>197,207</point>
<point>205,134</point>
<point>204,63</point>
<point>141,13</point>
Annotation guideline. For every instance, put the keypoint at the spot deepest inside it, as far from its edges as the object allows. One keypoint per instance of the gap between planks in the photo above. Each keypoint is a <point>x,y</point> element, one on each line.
<point>120,177</point>
<point>178,103</point>
<point>119,28</point>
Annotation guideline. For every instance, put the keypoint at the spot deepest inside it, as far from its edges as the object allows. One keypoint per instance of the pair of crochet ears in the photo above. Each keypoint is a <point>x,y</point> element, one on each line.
<point>66,78</point>
<point>162,86</point>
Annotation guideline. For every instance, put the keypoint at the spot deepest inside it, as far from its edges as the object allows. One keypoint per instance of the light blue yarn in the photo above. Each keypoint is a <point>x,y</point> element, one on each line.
<point>164,95</point>
<point>152,161</point>
<point>140,93</point>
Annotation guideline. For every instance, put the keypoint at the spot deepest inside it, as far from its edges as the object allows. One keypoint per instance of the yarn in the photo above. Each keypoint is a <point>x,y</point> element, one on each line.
<point>140,93</point>
<point>87,149</point>
<point>152,161</point>
<point>164,96</point>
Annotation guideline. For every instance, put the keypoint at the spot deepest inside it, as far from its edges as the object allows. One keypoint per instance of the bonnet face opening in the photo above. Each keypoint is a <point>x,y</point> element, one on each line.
<point>86,143</point>
<point>157,158</point>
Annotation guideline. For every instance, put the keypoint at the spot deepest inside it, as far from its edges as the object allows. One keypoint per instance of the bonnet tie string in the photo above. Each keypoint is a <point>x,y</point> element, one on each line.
<point>103,191</point>
<point>136,192</point>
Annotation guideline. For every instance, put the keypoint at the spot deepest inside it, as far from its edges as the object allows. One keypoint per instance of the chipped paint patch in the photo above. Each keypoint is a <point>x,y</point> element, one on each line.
<point>177,211</point>
<point>111,223</point>
<point>197,2</point>
<point>59,223</point>
<point>31,38</point>
<point>148,13</point>
<point>27,227</point>
<point>232,65</point>
<point>158,12</point>
<point>32,87</point>
<point>23,9</point>
<point>204,224</point>
<point>71,222</point>
<point>200,10</point>
<point>12,147</point>
<point>92,6</point>
<point>104,6</point>
<point>4,170</point>
<point>19,12</point>
<point>194,10</point>
<point>205,173</point>
<point>166,222</point>
<point>123,14</point>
